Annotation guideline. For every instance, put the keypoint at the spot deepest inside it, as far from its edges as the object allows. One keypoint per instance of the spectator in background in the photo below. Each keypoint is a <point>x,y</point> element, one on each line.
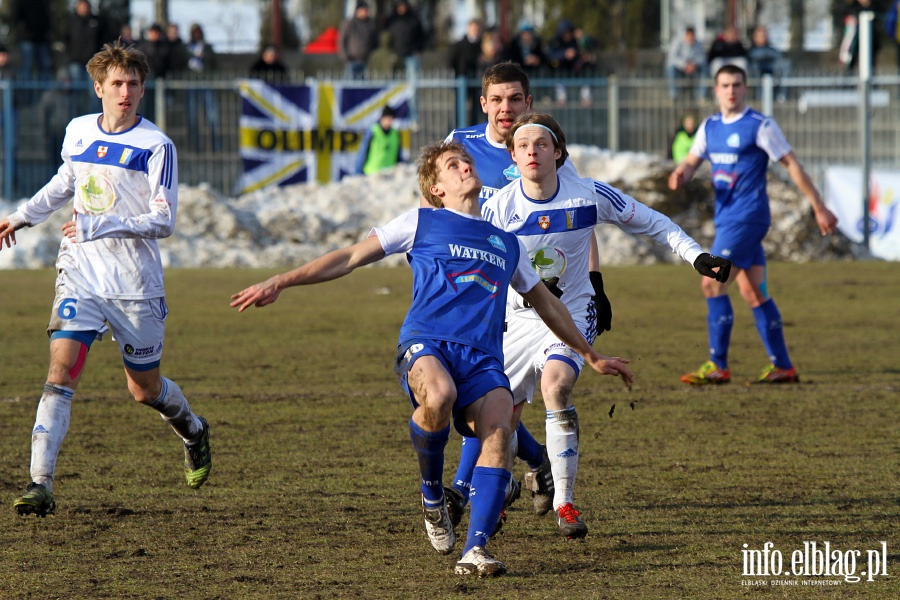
<point>32,22</point>
<point>464,53</point>
<point>83,40</point>
<point>156,49</point>
<point>201,60</point>
<point>849,48</point>
<point>357,40</point>
<point>527,50</point>
<point>178,54</point>
<point>686,58</point>
<point>492,53</point>
<point>464,60</point>
<point>269,66</point>
<point>562,52</point>
<point>126,36</point>
<point>684,136</point>
<point>727,49</point>
<point>765,59</point>
<point>408,40</point>
<point>587,49</point>
<point>381,147</point>
<point>407,36</point>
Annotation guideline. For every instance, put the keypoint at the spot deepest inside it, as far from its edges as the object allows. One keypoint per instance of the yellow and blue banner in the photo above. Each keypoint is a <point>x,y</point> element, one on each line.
<point>310,133</point>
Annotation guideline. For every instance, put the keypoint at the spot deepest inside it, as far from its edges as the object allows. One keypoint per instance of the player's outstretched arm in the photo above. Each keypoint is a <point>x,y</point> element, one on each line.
<point>555,314</point>
<point>7,234</point>
<point>825,219</point>
<point>684,171</point>
<point>329,266</point>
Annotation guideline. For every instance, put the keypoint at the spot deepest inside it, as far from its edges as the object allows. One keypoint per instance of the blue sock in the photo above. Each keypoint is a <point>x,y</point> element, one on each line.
<point>488,492</point>
<point>471,450</point>
<point>429,449</point>
<point>530,450</point>
<point>771,330</point>
<point>719,320</point>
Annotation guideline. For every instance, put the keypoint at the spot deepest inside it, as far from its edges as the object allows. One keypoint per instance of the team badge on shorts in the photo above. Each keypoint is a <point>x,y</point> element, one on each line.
<point>544,222</point>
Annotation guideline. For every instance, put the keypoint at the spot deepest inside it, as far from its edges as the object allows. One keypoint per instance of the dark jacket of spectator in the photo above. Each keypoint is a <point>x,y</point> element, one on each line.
<point>563,52</point>
<point>156,49</point>
<point>84,35</point>
<point>201,57</point>
<point>178,54</point>
<point>726,46</point>
<point>269,66</point>
<point>32,21</point>
<point>357,36</point>
<point>407,35</point>
<point>528,50</point>
<point>464,53</point>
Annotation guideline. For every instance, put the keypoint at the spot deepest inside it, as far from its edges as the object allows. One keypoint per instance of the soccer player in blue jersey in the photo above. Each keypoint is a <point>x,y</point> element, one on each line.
<point>739,142</point>
<point>554,214</point>
<point>122,172</point>
<point>506,94</point>
<point>449,356</point>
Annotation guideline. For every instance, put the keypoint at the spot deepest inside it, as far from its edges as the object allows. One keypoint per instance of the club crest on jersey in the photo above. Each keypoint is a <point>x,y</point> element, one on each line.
<point>127,153</point>
<point>495,241</point>
<point>102,150</point>
<point>544,222</point>
<point>733,141</point>
<point>512,172</point>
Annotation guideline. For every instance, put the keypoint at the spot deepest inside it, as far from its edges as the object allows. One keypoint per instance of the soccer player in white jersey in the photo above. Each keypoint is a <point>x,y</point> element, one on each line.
<point>449,354</point>
<point>506,94</point>
<point>122,172</point>
<point>554,214</point>
<point>739,142</point>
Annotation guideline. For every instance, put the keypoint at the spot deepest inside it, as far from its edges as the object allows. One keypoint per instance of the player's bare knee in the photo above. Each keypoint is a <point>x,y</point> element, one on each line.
<point>144,393</point>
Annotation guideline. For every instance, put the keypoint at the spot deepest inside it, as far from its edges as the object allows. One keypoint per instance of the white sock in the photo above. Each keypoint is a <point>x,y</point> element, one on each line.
<point>50,426</point>
<point>562,446</point>
<point>513,449</point>
<point>174,409</point>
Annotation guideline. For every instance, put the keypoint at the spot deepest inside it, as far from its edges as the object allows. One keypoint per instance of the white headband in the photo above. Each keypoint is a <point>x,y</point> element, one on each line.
<point>536,125</point>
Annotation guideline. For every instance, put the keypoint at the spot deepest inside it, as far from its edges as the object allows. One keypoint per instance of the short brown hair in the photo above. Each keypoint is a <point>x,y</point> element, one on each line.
<point>505,72</point>
<point>730,69</point>
<point>117,55</point>
<point>428,167</point>
<point>544,120</point>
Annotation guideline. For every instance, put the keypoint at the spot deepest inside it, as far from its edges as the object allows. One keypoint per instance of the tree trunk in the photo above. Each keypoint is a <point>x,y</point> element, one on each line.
<point>798,25</point>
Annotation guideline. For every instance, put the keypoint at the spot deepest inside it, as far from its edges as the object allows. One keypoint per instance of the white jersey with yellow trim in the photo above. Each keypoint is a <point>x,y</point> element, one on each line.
<point>125,187</point>
<point>556,231</point>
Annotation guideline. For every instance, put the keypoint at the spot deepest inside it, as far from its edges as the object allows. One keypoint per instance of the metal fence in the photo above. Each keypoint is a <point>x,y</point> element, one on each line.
<point>820,115</point>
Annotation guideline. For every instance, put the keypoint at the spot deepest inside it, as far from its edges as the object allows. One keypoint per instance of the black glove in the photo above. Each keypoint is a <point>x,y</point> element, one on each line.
<point>601,303</point>
<point>705,263</point>
<point>550,284</point>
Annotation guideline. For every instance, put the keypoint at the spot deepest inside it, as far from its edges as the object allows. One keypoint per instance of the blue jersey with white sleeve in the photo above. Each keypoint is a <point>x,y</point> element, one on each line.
<point>462,268</point>
<point>739,150</point>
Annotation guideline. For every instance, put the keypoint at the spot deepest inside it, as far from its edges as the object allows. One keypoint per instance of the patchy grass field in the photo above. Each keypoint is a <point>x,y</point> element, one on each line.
<point>314,489</point>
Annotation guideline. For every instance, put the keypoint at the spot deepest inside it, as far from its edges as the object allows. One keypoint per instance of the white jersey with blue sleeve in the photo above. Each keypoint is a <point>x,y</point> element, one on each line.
<point>125,187</point>
<point>556,231</point>
<point>739,150</point>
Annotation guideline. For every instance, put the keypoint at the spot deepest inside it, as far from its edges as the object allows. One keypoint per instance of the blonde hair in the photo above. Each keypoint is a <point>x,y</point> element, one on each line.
<point>543,120</point>
<point>429,169</point>
<point>116,55</point>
